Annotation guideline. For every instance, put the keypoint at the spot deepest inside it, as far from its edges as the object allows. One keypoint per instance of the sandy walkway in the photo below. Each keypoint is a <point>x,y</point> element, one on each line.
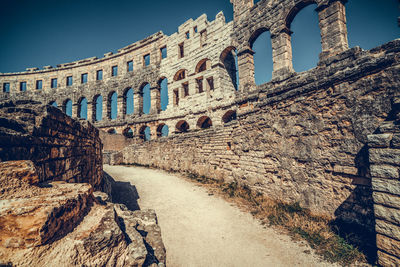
<point>203,230</point>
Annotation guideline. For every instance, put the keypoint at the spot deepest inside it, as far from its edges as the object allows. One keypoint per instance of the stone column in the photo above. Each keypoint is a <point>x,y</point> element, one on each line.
<point>120,107</point>
<point>105,106</point>
<point>138,103</point>
<point>282,54</point>
<point>332,23</point>
<point>246,69</point>
<point>90,112</point>
<point>155,100</point>
<point>75,110</point>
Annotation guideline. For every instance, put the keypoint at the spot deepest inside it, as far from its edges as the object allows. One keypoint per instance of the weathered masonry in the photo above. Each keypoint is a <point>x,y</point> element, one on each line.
<point>302,137</point>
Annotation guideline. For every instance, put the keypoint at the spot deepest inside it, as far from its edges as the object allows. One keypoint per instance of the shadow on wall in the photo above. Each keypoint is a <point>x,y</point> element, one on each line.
<point>124,193</point>
<point>360,232</point>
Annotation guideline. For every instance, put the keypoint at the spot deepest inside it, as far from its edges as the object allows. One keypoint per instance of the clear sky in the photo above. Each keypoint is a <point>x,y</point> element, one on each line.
<point>36,33</point>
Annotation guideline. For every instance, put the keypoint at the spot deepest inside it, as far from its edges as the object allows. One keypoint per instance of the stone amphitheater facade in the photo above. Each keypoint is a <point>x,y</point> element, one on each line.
<point>326,138</point>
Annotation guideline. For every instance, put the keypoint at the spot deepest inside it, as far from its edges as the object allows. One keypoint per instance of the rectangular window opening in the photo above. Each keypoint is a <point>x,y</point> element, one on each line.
<point>54,83</point>
<point>185,87</point>
<point>195,29</point>
<point>181,50</point>
<point>22,86</point>
<point>210,82</point>
<point>130,66</point>
<point>203,38</point>
<point>163,51</point>
<point>146,60</point>
<point>199,82</point>
<point>6,87</point>
<point>114,71</point>
<point>39,84</point>
<point>99,75</point>
<point>69,80</point>
<point>176,97</point>
<point>187,35</point>
<point>84,78</point>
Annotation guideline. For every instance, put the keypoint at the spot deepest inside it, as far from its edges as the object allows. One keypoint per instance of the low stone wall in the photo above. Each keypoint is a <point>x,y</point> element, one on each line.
<point>384,155</point>
<point>60,147</point>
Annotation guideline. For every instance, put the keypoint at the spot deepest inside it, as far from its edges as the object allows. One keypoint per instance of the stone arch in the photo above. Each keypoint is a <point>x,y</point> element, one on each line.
<point>112,131</point>
<point>128,132</point>
<point>144,133</point>
<point>259,56</point>
<point>182,126</point>
<point>128,103</point>
<point>53,103</point>
<point>180,75</point>
<point>67,107</point>
<point>229,116</point>
<point>112,105</point>
<point>203,65</point>
<point>204,122</point>
<point>82,108</point>
<point>255,35</point>
<point>228,59</point>
<point>290,14</point>
<point>161,130</point>
<point>97,108</point>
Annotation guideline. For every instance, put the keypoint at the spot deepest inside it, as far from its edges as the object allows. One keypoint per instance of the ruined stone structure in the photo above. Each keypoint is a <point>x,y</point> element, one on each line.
<point>302,137</point>
<point>51,212</point>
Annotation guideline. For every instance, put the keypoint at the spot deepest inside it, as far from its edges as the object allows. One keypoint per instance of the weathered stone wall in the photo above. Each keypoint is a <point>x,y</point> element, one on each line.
<point>61,148</point>
<point>304,140</point>
<point>384,156</point>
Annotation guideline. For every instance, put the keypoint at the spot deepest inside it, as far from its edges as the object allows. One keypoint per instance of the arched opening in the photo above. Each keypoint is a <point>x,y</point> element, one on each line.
<point>162,130</point>
<point>204,122</point>
<point>82,108</point>
<point>98,108</point>
<point>67,107</point>
<point>53,103</point>
<point>306,37</point>
<point>128,132</point>
<point>112,105</point>
<point>112,131</point>
<point>203,65</point>
<point>146,98</point>
<point>229,59</point>
<point>229,116</point>
<point>128,101</point>
<point>362,27</point>
<point>163,84</point>
<point>145,133</point>
<point>260,43</point>
<point>182,126</point>
<point>180,75</point>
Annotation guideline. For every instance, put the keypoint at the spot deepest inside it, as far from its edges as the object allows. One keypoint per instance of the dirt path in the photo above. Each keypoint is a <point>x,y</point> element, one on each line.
<point>203,230</point>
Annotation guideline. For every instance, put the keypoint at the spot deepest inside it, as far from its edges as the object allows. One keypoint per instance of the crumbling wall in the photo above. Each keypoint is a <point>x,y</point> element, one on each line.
<point>61,148</point>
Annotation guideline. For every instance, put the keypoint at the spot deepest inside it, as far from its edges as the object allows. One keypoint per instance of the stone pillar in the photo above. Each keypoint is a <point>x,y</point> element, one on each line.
<point>332,23</point>
<point>90,111</point>
<point>138,103</point>
<point>384,157</point>
<point>282,54</point>
<point>105,113</point>
<point>75,110</point>
<point>155,100</point>
<point>120,107</point>
<point>246,70</point>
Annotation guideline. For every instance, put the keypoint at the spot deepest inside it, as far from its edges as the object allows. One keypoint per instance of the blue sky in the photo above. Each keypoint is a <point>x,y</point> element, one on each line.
<point>36,33</point>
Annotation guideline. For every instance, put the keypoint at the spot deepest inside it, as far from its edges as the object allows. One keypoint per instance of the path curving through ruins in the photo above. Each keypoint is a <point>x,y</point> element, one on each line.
<point>199,229</point>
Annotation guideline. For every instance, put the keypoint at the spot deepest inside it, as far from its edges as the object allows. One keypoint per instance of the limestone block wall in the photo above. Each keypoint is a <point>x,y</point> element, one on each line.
<point>303,141</point>
<point>384,156</point>
<point>60,147</point>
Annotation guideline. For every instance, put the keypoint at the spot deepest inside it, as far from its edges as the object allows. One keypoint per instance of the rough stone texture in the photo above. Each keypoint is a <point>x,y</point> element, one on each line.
<point>60,147</point>
<point>384,156</point>
<point>300,138</point>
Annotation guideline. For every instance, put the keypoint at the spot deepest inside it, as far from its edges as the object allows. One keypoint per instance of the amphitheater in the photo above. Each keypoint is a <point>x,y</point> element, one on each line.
<point>327,138</point>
